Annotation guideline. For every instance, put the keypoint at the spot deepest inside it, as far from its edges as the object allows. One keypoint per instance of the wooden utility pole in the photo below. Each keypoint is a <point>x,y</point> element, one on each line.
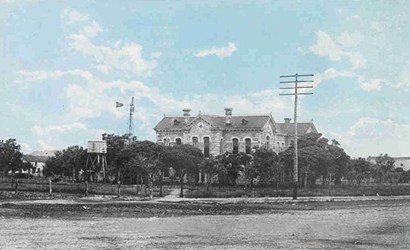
<point>295,116</point>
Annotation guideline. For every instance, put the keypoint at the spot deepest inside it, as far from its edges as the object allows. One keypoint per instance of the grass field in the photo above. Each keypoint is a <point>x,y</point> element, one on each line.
<point>42,185</point>
<point>229,191</point>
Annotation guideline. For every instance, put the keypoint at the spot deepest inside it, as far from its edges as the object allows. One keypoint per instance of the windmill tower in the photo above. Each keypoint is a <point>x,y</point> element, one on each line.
<point>130,123</point>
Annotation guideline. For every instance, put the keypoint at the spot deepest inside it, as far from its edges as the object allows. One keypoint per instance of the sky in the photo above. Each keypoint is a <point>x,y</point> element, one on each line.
<point>64,64</point>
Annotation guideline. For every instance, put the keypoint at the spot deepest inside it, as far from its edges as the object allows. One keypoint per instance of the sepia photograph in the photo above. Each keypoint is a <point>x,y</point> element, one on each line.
<point>198,124</point>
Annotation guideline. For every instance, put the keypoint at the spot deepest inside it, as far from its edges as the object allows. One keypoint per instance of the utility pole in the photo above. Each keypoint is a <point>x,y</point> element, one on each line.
<point>295,115</point>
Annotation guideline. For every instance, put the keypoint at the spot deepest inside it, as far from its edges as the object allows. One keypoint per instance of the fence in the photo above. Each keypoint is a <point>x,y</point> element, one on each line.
<point>42,185</point>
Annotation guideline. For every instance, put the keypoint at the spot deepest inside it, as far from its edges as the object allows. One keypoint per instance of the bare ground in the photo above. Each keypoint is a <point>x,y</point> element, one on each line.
<point>154,225</point>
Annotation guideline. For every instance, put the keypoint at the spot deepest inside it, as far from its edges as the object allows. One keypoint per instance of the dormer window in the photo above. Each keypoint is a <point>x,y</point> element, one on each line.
<point>176,122</point>
<point>244,121</point>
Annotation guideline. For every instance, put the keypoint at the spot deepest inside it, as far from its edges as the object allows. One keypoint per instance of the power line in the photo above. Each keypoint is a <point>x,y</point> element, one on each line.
<point>296,93</point>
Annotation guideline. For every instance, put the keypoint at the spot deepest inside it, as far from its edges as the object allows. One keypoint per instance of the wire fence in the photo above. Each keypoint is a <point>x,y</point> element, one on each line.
<point>43,185</point>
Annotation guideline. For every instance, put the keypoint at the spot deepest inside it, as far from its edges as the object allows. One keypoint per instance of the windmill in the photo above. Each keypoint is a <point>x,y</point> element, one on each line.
<point>130,130</point>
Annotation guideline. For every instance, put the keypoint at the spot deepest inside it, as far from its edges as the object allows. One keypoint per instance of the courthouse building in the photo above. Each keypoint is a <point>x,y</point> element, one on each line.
<point>215,134</point>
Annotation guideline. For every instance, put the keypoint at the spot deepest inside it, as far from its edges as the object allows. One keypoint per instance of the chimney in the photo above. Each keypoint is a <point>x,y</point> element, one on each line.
<point>287,120</point>
<point>228,116</point>
<point>186,114</point>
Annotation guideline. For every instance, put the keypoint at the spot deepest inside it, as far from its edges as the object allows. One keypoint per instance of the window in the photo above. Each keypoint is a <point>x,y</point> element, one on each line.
<point>166,141</point>
<point>267,146</point>
<point>235,146</point>
<point>178,141</point>
<point>247,145</point>
<point>194,140</point>
<point>206,146</point>
<point>166,173</point>
<point>278,148</point>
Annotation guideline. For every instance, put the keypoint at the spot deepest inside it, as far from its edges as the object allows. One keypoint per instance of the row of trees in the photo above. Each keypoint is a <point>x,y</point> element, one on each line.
<point>144,162</point>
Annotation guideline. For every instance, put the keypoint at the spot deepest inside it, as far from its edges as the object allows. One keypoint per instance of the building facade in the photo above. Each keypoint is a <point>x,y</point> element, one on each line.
<point>216,135</point>
<point>399,162</point>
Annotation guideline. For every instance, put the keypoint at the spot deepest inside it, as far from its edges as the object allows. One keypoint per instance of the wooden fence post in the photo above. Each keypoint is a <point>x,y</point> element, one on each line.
<point>50,186</point>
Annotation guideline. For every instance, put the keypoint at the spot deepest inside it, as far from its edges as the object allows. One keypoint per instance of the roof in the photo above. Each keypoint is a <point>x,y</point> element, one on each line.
<point>288,128</point>
<point>35,158</point>
<point>237,122</point>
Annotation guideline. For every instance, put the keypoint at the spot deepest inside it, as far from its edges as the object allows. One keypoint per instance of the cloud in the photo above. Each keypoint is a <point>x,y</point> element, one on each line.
<point>219,52</point>
<point>105,69</point>
<point>326,46</point>
<point>372,136</point>
<point>41,131</point>
<point>370,85</point>
<point>91,30</point>
<point>26,148</point>
<point>126,57</point>
<point>329,74</point>
<point>349,39</point>
<point>50,137</point>
<point>41,75</point>
<point>123,56</point>
<point>71,16</point>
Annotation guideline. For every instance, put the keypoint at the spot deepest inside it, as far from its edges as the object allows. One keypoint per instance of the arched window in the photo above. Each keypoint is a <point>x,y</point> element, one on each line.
<point>247,145</point>
<point>166,141</point>
<point>194,140</point>
<point>235,146</point>
<point>267,145</point>
<point>206,146</point>
<point>178,141</point>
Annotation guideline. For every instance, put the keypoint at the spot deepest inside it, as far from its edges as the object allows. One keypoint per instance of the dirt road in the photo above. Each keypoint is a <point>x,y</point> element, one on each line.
<point>311,226</point>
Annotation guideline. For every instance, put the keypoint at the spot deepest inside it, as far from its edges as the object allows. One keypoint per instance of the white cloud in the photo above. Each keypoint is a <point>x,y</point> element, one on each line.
<point>156,54</point>
<point>372,136</point>
<point>71,16</point>
<point>126,57</point>
<point>353,18</point>
<point>349,40</point>
<point>26,148</point>
<point>41,75</point>
<point>330,74</point>
<point>50,137</point>
<point>105,69</point>
<point>326,46</point>
<point>91,30</point>
<point>370,85</point>
<point>44,145</point>
<point>41,131</point>
<point>219,52</point>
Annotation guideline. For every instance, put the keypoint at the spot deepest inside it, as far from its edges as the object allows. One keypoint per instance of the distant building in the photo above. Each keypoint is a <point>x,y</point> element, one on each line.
<point>216,135</point>
<point>37,162</point>
<point>399,162</point>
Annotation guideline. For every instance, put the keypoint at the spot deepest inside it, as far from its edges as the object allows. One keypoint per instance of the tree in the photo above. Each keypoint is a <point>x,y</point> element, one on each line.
<point>211,167</point>
<point>268,167</point>
<point>384,165</point>
<point>359,170</point>
<point>184,159</point>
<point>67,162</point>
<point>317,158</point>
<point>340,161</point>
<point>147,156</point>
<point>115,143</point>
<point>232,163</point>
<point>10,156</point>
